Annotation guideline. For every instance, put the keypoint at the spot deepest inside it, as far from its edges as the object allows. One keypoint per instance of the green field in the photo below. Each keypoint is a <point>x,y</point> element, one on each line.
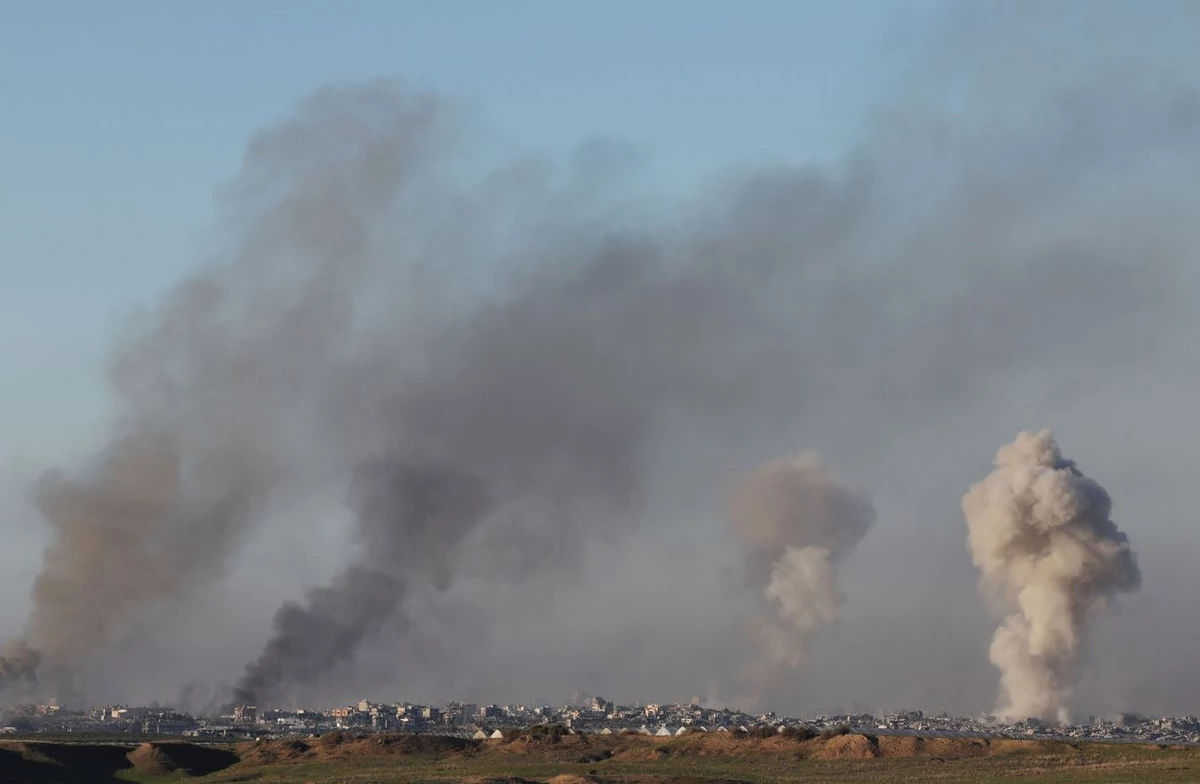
<point>593,760</point>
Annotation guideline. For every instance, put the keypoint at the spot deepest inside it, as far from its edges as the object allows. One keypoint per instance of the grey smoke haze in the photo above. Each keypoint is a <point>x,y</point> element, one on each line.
<point>602,366</point>
<point>214,383</point>
<point>18,665</point>
<point>796,522</point>
<point>1040,533</point>
<point>410,518</point>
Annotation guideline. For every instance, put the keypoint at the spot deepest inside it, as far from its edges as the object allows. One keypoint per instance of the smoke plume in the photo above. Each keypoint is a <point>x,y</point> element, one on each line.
<point>1040,534</point>
<point>18,665</point>
<point>215,387</point>
<point>797,523</point>
<point>410,518</point>
<point>388,313</point>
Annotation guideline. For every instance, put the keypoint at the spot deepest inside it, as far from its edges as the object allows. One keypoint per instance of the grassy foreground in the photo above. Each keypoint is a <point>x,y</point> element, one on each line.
<point>694,759</point>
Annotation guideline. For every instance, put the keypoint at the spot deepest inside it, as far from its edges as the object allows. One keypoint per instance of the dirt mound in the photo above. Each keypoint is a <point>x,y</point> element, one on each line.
<point>945,748</point>
<point>645,751</point>
<point>160,759</point>
<point>270,753</point>
<point>151,760</point>
<point>341,745</point>
<point>417,744</point>
<point>677,780</point>
<point>848,747</point>
<point>1000,746</point>
<point>334,739</point>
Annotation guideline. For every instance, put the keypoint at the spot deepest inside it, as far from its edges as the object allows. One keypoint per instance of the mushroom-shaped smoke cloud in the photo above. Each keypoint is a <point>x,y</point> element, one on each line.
<point>797,523</point>
<point>1040,533</point>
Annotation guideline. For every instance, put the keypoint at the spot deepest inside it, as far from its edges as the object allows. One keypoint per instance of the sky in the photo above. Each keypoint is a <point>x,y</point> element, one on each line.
<point>980,155</point>
<point>121,120</point>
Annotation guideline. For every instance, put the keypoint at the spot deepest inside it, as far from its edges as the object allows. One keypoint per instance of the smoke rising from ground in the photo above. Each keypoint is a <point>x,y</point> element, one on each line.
<point>595,365</point>
<point>1040,533</point>
<point>797,523</point>
<point>215,386</point>
<point>410,517</point>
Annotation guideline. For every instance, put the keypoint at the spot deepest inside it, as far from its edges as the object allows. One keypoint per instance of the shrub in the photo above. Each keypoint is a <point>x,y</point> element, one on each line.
<point>833,732</point>
<point>330,739</point>
<point>799,733</point>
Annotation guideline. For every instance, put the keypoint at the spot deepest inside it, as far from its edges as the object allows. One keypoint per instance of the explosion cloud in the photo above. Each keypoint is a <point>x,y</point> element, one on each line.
<point>797,522</point>
<point>388,313</point>
<point>1040,534</point>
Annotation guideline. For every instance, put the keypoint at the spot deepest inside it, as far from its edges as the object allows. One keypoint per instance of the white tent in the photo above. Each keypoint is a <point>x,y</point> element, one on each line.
<point>496,735</point>
<point>480,735</point>
<point>664,731</point>
<point>606,731</point>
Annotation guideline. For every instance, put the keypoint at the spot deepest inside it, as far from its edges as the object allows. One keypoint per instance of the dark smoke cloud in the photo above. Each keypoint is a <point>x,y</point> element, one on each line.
<point>410,518</point>
<point>311,639</point>
<point>18,665</point>
<point>598,368</point>
<point>215,386</point>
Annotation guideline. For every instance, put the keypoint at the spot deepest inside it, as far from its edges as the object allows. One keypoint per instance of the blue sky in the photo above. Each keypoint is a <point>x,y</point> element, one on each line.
<point>120,119</point>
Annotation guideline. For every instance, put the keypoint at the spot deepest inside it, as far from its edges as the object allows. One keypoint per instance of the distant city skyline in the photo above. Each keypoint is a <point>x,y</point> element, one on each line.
<point>492,722</point>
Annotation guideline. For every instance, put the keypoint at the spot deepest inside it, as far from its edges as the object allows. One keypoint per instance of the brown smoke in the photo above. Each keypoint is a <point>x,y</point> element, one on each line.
<point>1040,533</point>
<point>373,306</point>
<point>796,522</point>
<point>216,386</point>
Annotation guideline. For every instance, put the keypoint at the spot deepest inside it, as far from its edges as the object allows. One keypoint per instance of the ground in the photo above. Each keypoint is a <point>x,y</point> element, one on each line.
<point>694,759</point>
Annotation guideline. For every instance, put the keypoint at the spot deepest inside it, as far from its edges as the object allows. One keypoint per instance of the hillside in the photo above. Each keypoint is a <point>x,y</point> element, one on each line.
<point>698,759</point>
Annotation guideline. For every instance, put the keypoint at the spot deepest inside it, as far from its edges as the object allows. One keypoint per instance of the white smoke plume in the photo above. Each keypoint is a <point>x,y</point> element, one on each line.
<point>796,522</point>
<point>1040,533</point>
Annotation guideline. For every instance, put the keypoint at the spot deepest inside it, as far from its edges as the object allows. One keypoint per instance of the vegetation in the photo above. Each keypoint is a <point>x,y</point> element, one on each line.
<point>799,733</point>
<point>833,732</point>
